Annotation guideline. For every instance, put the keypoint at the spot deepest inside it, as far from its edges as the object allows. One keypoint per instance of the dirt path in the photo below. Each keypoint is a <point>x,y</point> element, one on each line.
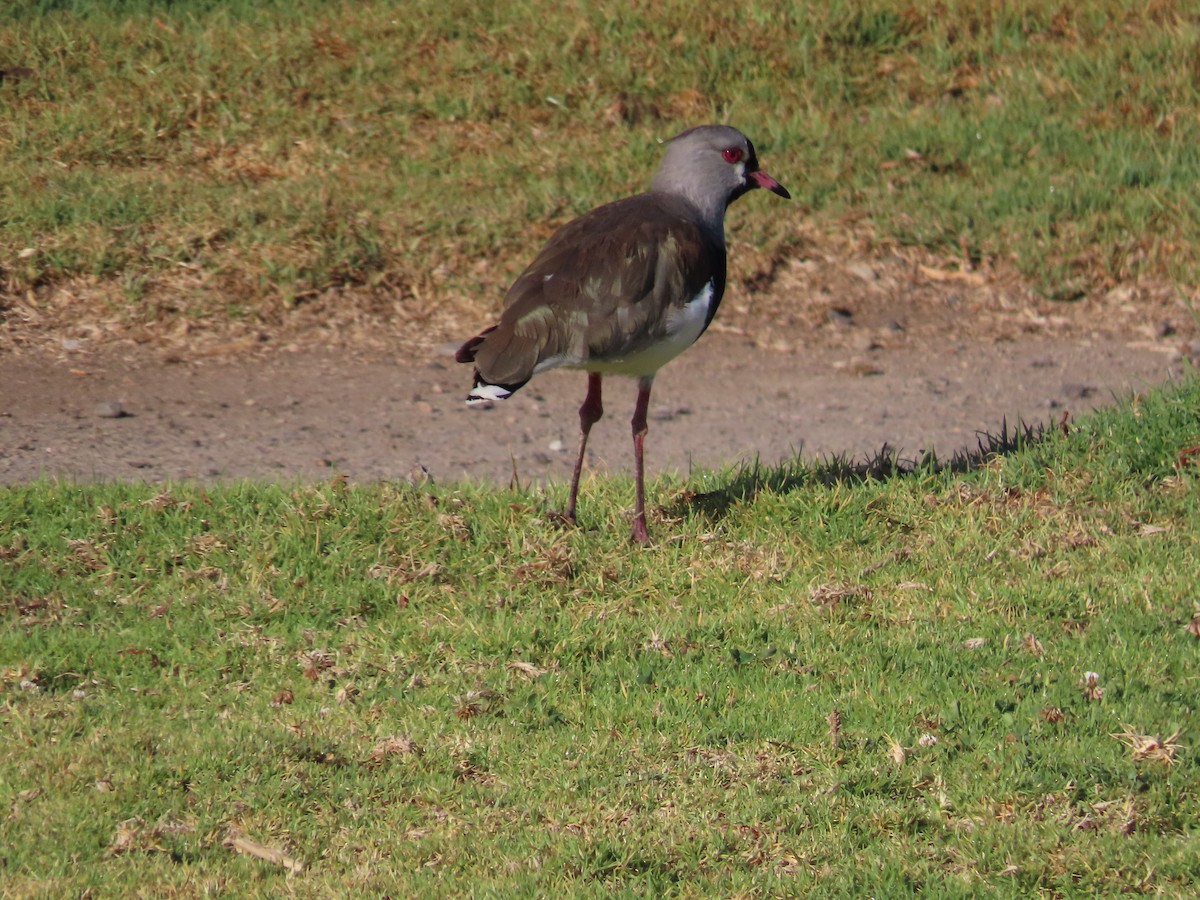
<point>835,358</point>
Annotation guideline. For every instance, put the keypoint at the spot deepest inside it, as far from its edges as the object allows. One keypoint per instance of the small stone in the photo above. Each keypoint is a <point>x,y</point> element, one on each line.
<point>1164,329</point>
<point>558,445</point>
<point>862,270</point>
<point>862,368</point>
<point>839,315</point>
<point>111,409</point>
<point>1075,391</point>
<point>869,345</point>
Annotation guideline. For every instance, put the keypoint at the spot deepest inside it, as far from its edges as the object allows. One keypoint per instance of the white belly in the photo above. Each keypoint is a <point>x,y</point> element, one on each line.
<point>683,328</point>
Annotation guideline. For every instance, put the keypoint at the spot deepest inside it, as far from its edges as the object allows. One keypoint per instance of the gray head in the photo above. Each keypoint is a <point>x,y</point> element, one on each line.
<point>712,165</point>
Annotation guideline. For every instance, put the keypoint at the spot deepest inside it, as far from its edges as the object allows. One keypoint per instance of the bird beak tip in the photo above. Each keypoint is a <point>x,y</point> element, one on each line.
<point>763,180</point>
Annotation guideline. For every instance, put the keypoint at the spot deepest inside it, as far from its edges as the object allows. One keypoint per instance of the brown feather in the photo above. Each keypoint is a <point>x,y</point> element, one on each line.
<point>603,287</point>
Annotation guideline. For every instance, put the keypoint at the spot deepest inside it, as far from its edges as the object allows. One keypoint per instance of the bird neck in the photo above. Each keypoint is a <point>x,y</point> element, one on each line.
<point>709,211</point>
<point>711,217</point>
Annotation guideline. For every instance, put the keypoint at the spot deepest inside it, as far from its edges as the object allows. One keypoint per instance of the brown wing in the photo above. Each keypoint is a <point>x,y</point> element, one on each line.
<point>602,287</point>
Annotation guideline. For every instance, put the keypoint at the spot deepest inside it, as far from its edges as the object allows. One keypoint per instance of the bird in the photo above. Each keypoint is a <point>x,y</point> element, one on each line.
<point>623,289</point>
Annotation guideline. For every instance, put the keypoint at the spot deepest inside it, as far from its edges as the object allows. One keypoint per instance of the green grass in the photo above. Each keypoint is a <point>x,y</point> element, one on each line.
<point>818,680</point>
<point>434,691</point>
<point>254,155</point>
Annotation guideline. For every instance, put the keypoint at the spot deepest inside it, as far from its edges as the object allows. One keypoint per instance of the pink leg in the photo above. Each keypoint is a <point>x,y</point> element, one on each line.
<point>640,533</point>
<point>589,414</point>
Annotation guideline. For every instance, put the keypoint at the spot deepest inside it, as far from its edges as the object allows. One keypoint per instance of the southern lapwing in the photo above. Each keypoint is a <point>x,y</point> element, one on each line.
<point>625,288</point>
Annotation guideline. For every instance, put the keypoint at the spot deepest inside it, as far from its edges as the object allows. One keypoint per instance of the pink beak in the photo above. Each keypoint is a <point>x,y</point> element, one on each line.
<point>763,180</point>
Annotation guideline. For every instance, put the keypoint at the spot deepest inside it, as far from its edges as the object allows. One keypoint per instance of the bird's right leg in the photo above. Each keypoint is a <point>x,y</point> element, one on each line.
<point>640,533</point>
<point>589,414</point>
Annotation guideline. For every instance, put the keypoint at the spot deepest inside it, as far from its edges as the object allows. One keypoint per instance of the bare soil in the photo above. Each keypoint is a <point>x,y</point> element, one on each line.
<point>829,355</point>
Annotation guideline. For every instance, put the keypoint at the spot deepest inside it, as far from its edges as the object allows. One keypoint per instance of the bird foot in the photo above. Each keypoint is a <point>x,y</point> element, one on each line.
<point>563,519</point>
<point>640,534</point>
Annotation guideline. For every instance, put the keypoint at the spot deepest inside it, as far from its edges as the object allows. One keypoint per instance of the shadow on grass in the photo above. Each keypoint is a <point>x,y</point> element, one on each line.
<point>751,479</point>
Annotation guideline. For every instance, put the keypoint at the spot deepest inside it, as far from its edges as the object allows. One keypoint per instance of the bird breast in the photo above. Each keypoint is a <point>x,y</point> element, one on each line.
<point>684,324</point>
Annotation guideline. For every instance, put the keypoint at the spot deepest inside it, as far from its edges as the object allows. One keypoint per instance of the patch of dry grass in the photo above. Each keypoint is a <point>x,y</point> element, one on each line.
<point>247,169</point>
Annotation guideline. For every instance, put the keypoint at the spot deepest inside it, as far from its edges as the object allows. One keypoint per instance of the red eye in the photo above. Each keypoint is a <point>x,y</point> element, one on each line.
<point>732,155</point>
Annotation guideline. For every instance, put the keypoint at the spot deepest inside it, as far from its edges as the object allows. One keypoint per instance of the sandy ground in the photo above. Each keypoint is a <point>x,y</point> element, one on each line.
<point>832,357</point>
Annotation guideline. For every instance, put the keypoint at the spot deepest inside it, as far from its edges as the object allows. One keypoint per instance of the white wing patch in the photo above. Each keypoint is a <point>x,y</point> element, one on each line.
<point>484,392</point>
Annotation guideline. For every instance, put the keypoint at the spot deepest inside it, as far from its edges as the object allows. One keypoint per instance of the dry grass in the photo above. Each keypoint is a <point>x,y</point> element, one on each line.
<point>217,176</point>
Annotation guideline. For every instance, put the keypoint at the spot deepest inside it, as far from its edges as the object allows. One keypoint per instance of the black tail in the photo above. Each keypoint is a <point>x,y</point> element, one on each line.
<point>466,353</point>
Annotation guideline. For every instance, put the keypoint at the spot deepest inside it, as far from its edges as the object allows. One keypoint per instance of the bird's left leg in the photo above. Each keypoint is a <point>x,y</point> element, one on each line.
<point>589,414</point>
